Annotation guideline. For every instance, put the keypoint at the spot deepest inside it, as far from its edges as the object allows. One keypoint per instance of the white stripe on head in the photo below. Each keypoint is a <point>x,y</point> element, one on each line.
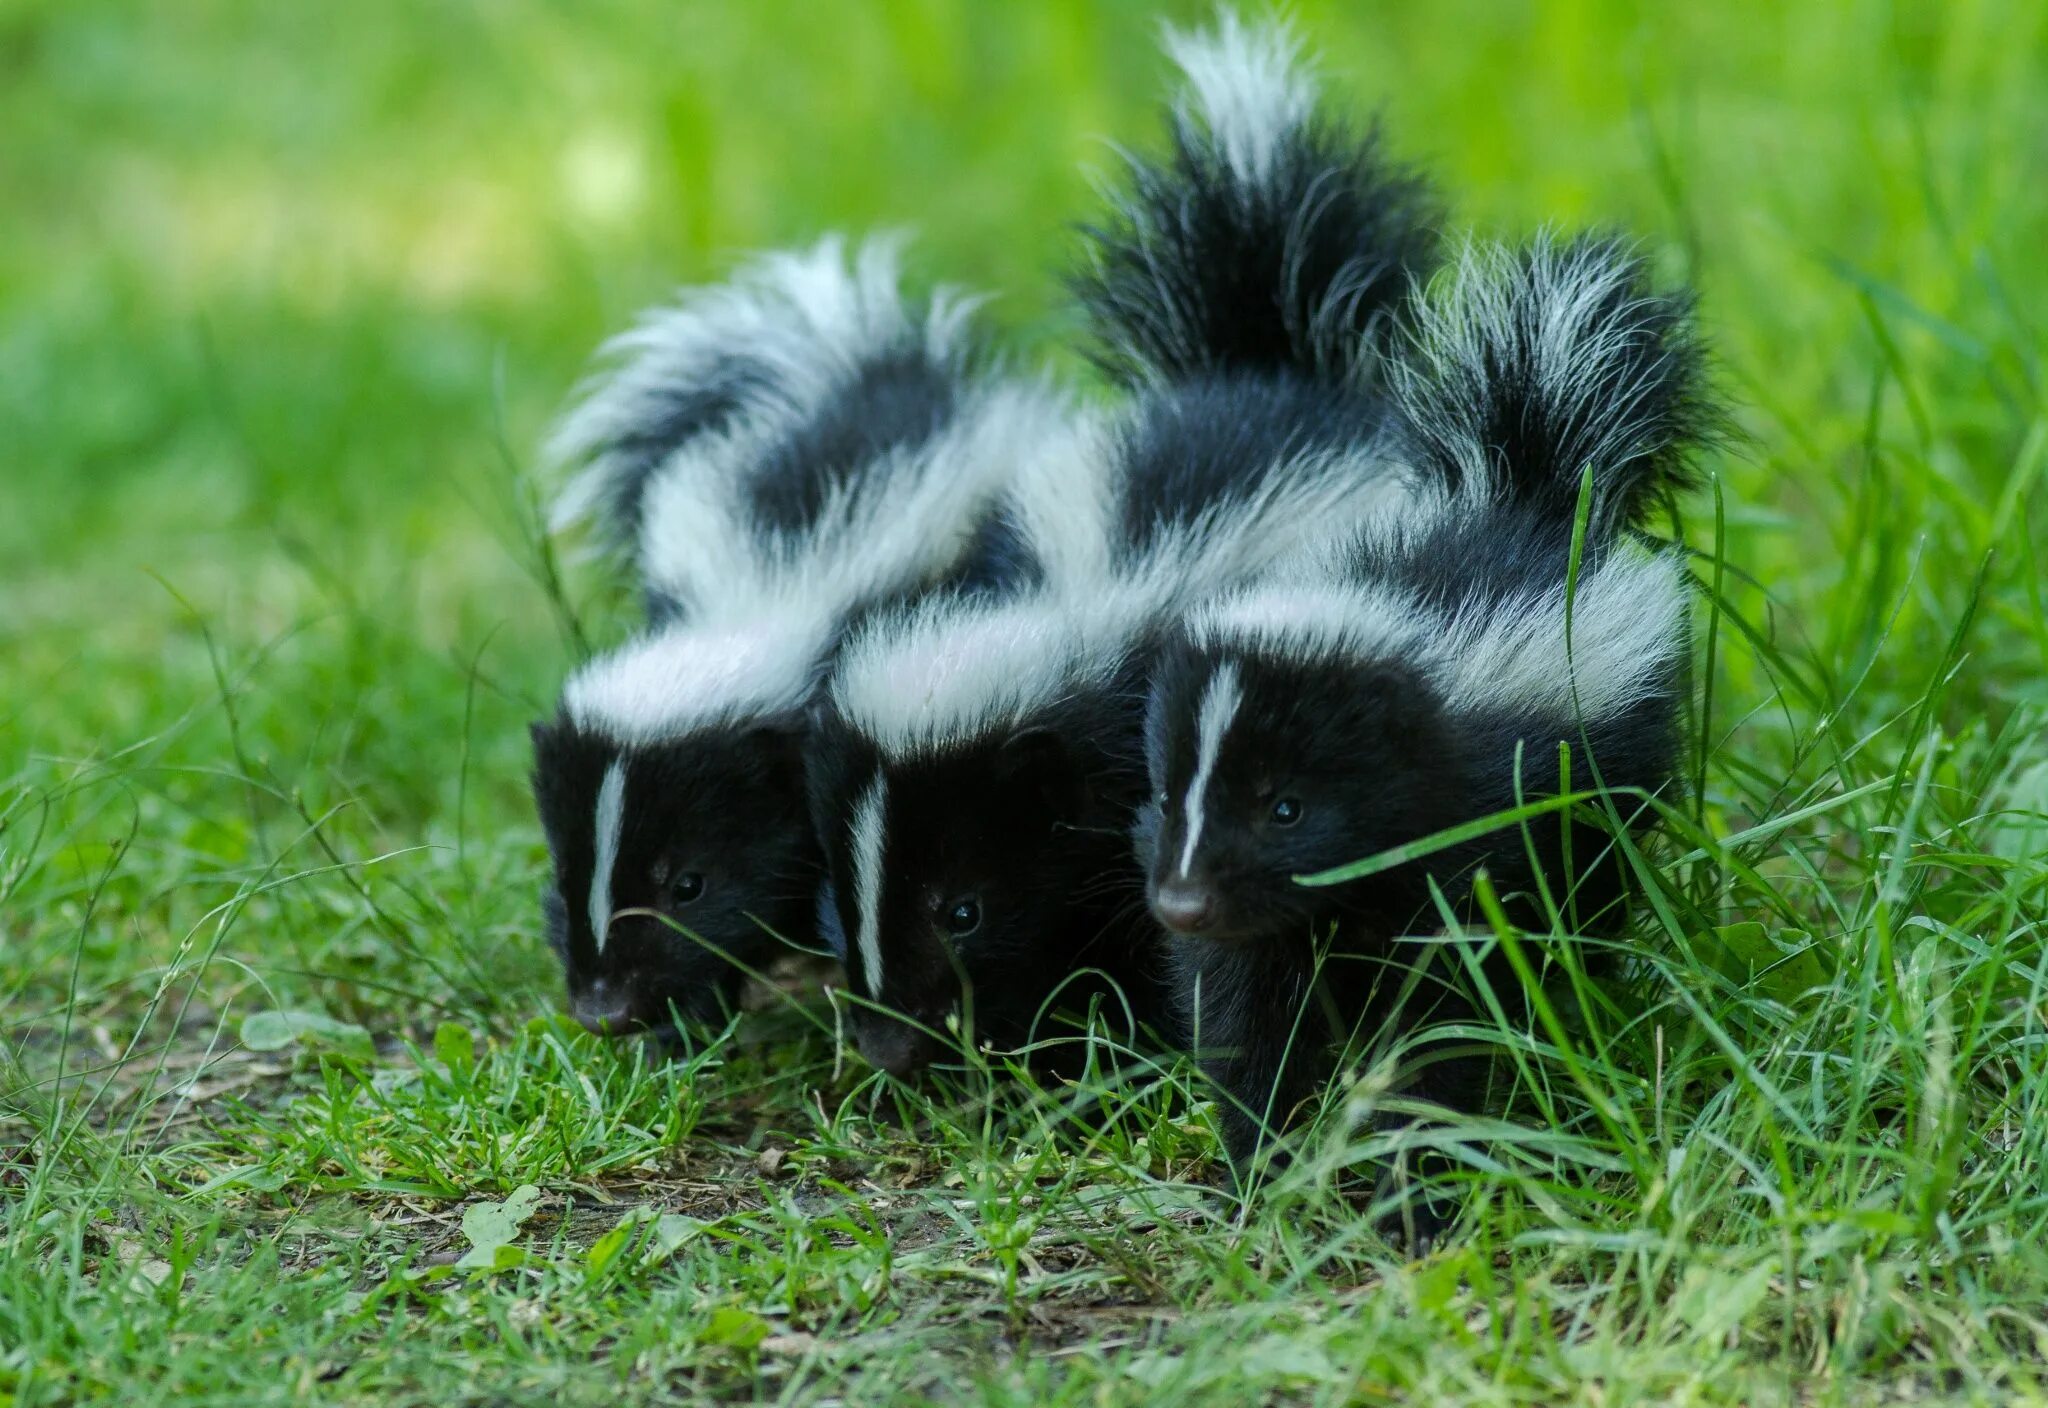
<point>1219,707</point>
<point>867,879</point>
<point>608,823</point>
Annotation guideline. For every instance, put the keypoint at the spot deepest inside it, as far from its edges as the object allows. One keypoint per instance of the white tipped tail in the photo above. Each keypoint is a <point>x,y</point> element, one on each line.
<point>738,358</point>
<point>1531,365</point>
<point>1268,237</point>
<point>1247,85</point>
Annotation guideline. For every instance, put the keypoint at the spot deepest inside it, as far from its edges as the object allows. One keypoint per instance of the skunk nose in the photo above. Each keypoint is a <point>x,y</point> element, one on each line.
<point>602,1009</point>
<point>895,1047</point>
<point>1184,907</point>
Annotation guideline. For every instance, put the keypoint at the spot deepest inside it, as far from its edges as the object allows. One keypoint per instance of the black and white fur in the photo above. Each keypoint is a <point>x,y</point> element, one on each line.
<point>1318,719</point>
<point>780,454</point>
<point>978,763</point>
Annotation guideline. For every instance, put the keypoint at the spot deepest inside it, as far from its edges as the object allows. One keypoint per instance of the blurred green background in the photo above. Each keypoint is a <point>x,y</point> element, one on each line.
<point>290,290</point>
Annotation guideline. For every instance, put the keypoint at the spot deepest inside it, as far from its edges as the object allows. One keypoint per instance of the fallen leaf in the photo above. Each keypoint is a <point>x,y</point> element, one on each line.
<point>671,1231</point>
<point>276,1030</point>
<point>455,1048</point>
<point>490,1226</point>
<point>740,1329</point>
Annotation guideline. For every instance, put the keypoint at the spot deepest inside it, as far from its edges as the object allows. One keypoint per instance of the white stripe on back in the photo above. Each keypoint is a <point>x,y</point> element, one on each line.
<point>1219,707</point>
<point>867,880</point>
<point>610,820</point>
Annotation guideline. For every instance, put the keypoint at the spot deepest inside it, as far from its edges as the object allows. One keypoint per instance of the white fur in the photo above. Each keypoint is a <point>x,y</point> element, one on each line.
<point>1305,507</point>
<point>1626,636</point>
<point>808,318</point>
<point>1063,501</point>
<point>685,676</point>
<point>808,322</point>
<point>606,825</point>
<point>868,817</point>
<point>759,612</point>
<point>1219,708</point>
<point>884,529</point>
<point>1305,604</point>
<point>1304,622</point>
<point>1553,316</point>
<point>1249,87</point>
<point>950,672</point>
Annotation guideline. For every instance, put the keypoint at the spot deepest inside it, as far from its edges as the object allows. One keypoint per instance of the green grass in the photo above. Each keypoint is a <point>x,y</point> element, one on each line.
<point>289,290</point>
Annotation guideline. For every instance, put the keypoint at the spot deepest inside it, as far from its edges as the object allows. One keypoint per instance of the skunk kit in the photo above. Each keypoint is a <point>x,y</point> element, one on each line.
<point>979,763</point>
<point>1502,637</point>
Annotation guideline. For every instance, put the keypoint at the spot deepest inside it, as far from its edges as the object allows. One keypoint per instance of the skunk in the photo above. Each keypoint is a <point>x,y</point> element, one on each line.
<point>977,763</point>
<point>1427,676</point>
<point>781,454</point>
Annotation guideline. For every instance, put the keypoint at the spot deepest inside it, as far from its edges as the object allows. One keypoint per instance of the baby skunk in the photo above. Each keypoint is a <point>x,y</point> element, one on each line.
<point>978,763</point>
<point>1304,724</point>
<point>781,453</point>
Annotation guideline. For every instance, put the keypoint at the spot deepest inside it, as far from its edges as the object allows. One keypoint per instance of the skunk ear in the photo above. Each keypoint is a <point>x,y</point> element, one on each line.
<point>542,732</point>
<point>1040,757</point>
<point>780,737</point>
<point>791,723</point>
<point>1032,745</point>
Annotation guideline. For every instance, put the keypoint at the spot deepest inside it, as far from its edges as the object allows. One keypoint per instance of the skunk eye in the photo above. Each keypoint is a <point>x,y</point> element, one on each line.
<point>686,887</point>
<point>1286,812</point>
<point>963,917</point>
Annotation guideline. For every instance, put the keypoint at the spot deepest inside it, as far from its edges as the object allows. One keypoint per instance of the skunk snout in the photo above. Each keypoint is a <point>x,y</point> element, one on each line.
<point>604,1010</point>
<point>896,1047</point>
<point>1185,907</point>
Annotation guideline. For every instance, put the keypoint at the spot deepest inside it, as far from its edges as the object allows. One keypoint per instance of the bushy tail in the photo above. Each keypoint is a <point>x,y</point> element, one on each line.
<point>1528,366</point>
<point>1269,238</point>
<point>758,353</point>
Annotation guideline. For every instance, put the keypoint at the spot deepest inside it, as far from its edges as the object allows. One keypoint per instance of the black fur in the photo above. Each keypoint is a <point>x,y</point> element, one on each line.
<point>1198,272</point>
<point>1028,825</point>
<point>723,803</point>
<point>1636,413</point>
<point>1196,447</point>
<point>1002,559</point>
<point>897,399</point>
